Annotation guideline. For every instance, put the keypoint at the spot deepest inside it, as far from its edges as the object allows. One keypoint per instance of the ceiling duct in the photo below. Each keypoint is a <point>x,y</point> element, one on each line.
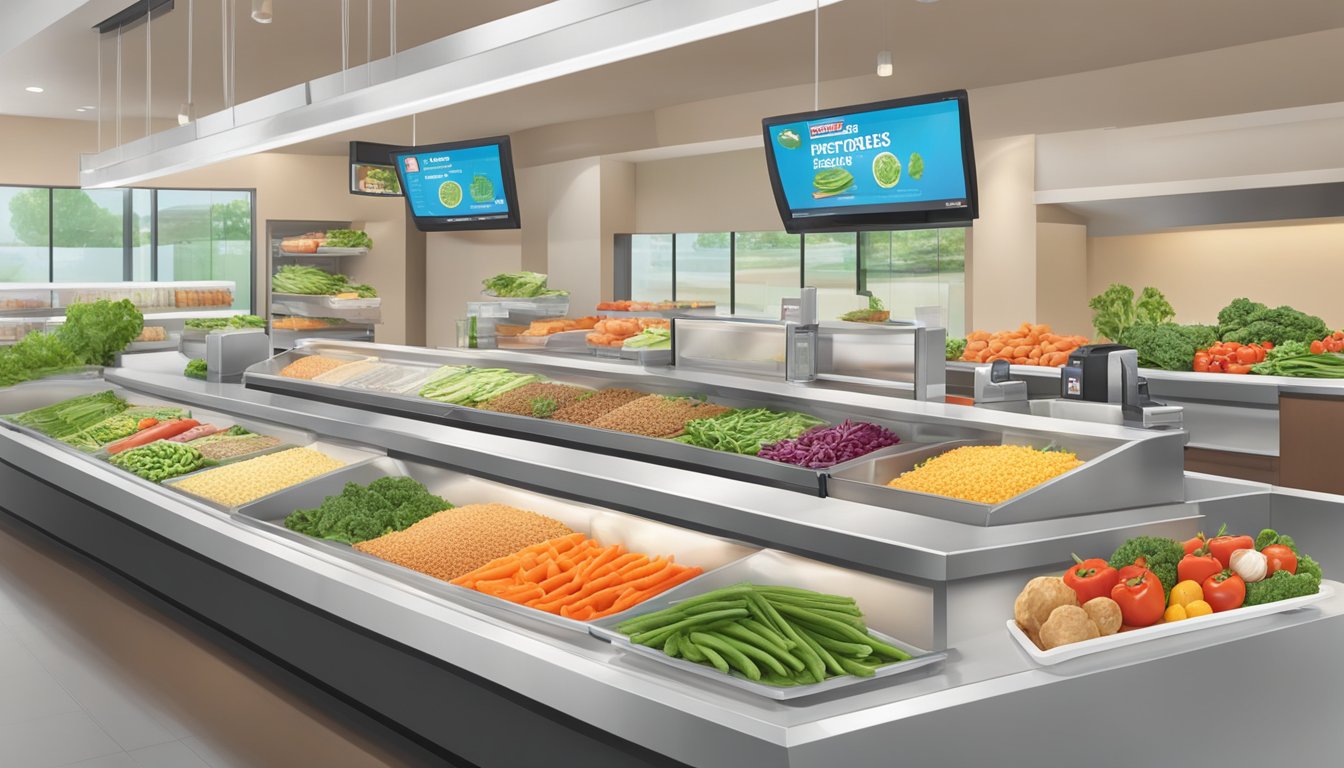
<point>547,42</point>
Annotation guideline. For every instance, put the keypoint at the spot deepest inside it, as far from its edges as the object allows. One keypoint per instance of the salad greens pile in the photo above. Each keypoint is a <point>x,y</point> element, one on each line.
<point>1249,322</point>
<point>348,238</point>
<point>217,323</point>
<point>520,285</point>
<point>92,334</point>
<point>311,281</point>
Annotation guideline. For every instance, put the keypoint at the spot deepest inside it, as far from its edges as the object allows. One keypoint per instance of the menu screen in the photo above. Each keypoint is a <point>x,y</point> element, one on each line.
<point>452,185</point>
<point>903,158</point>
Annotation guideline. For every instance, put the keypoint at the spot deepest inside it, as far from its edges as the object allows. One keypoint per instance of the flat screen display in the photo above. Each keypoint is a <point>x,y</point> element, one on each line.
<point>371,169</point>
<point>898,164</point>
<point>460,185</point>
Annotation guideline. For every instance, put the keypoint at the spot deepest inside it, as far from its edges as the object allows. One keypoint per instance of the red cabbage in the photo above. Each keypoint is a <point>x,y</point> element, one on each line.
<point>822,447</point>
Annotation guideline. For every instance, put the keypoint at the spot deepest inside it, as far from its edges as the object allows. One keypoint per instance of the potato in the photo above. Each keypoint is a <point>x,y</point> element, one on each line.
<point>1039,598</point>
<point>1105,613</point>
<point>1067,624</point>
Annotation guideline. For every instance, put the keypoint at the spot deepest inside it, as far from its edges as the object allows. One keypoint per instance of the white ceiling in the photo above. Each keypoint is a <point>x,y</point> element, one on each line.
<point>952,43</point>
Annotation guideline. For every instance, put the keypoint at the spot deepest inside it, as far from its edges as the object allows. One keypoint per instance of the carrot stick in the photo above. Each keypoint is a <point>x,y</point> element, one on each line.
<point>609,554</point>
<point>653,567</point>
<point>633,565</point>
<point>486,571</point>
<point>522,597</point>
<point>534,574</point>
<point>614,566</point>
<point>559,579</point>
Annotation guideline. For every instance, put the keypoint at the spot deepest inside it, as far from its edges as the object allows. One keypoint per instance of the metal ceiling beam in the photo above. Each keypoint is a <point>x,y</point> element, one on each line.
<point>547,42</point>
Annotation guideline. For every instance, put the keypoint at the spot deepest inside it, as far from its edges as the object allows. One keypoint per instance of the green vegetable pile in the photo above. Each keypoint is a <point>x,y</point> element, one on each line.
<point>361,513</point>
<point>520,285</point>
<point>92,334</point>
<point>650,338</point>
<point>482,189</point>
<point>833,181</point>
<point>779,636</point>
<point>385,176</point>
<point>1282,585</point>
<point>348,238</point>
<point>160,460</point>
<point>1294,358</point>
<point>1115,309</point>
<point>1161,553</point>
<point>745,431</point>
<point>121,425</point>
<point>311,281</point>
<point>871,314</point>
<point>955,348</point>
<point>1168,346</point>
<point>465,385</point>
<point>196,369</point>
<point>218,323</point>
<point>1248,322</point>
<point>70,416</point>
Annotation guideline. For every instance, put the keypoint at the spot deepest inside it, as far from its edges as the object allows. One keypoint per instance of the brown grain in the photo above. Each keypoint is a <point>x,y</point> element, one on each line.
<point>455,542</point>
<point>540,399</point>
<point>658,415</point>
<point>311,366</point>
<point>589,409</point>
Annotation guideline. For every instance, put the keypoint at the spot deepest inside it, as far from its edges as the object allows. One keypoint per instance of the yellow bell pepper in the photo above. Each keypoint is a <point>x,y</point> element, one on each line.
<point>1186,592</point>
<point>1174,613</point>
<point>1197,608</point>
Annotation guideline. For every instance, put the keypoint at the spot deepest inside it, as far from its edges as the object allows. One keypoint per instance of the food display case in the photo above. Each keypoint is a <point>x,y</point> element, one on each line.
<point>295,316</point>
<point>465,674</point>
<point>29,307</point>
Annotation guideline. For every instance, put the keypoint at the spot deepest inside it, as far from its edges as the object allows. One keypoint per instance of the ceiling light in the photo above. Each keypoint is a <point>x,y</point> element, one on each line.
<point>184,113</point>
<point>926,2</point>
<point>884,64</point>
<point>261,11</point>
<point>80,109</point>
<point>34,89</point>
<point>87,108</point>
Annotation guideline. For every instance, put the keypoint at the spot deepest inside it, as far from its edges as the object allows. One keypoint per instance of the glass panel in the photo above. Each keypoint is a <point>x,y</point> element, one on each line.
<point>901,269</point>
<point>952,271</point>
<point>207,235</point>
<point>703,268</point>
<point>86,232</point>
<point>650,267</point>
<point>25,233</point>
<point>767,269</point>
<point>142,255</point>
<point>830,265</point>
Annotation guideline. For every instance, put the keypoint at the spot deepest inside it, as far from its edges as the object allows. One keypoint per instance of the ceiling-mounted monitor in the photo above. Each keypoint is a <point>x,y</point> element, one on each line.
<point>899,164</point>
<point>460,184</point>
<point>371,169</point>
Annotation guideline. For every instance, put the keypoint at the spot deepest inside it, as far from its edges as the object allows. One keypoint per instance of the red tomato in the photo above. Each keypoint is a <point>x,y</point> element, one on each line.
<point>1246,356</point>
<point>1279,558</point>
<point>1216,365</point>
<point>1224,591</point>
<point>1202,365</point>
<point>1194,543</point>
<point>1259,354</point>
<point>1317,347</point>
<point>1267,345</point>
<point>1339,335</point>
<point>1238,368</point>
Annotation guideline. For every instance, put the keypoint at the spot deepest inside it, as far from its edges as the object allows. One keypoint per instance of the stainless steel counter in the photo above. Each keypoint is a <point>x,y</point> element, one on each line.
<point>988,705</point>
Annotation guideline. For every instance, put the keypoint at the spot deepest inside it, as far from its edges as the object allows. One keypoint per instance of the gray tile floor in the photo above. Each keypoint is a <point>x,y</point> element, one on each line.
<point>90,676</point>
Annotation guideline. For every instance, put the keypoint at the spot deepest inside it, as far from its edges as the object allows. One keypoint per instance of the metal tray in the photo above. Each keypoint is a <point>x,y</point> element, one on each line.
<point>609,527</point>
<point>351,455</point>
<point>289,438</point>
<point>352,310</point>
<point>891,609</point>
<point>1121,639</point>
<point>1103,483</point>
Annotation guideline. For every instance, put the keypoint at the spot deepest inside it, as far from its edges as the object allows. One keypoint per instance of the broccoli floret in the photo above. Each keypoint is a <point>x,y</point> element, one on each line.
<point>1162,345</point>
<point>1284,585</point>
<point>1237,314</point>
<point>1201,336</point>
<point>1270,536</point>
<point>955,348</point>
<point>1160,553</point>
<point>360,513</point>
<point>1278,325</point>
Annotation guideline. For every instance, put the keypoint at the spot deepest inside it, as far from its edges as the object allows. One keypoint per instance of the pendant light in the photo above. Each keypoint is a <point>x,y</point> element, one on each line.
<point>261,11</point>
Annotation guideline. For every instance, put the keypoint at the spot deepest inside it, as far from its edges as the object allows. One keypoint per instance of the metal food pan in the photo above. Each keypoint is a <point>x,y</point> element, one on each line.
<point>266,376</point>
<point>346,453</point>
<point>1103,483</point>
<point>289,437</point>
<point>609,527</point>
<point>892,610</point>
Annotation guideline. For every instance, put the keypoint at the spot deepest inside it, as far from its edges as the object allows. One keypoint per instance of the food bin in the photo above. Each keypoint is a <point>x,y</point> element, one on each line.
<point>607,526</point>
<point>899,613</point>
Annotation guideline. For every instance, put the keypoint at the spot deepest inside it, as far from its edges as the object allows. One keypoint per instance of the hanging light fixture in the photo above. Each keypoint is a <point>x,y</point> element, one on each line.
<point>884,63</point>
<point>261,11</point>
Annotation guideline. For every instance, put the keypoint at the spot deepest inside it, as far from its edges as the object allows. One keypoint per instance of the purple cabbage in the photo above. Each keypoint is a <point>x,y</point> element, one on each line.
<point>822,447</point>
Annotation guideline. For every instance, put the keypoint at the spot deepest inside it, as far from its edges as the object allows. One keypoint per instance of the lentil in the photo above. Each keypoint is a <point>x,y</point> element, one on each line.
<point>311,367</point>
<point>987,474</point>
<point>658,415</point>
<point>541,399</point>
<point>455,542</point>
<point>233,447</point>
<point>247,481</point>
<point>586,410</point>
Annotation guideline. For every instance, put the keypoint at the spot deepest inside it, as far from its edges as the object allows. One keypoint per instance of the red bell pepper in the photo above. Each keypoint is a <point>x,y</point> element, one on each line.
<point>1141,599</point>
<point>1091,578</point>
<point>1223,545</point>
<point>1198,566</point>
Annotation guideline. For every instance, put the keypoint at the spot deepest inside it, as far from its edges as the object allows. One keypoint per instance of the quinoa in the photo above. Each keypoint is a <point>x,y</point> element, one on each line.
<point>311,367</point>
<point>540,399</point>
<point>586,410</point>
<point>237,484</point>
<point>658,415</point>
<point>455,542</point>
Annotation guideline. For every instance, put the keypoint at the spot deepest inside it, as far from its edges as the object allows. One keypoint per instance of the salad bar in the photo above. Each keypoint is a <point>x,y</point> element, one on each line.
<point>687,616</point>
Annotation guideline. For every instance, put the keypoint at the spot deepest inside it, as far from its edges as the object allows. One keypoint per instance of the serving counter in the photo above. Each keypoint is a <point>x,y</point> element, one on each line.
<point>481,686</point>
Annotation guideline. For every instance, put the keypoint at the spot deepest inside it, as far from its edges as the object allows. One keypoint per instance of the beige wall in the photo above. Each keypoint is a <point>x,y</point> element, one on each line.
<point>1002,271</point>
<point>618,215</point>
<point>44,152</point>
<point>705,193</point>
<point>1061,278</point>
<point>1200,271</point>
<point>456,263</point>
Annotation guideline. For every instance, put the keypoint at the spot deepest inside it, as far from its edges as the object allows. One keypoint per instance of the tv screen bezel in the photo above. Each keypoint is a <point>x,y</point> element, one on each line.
<point>513,220</point>
<point>922,218</point>
<point>364,153</point>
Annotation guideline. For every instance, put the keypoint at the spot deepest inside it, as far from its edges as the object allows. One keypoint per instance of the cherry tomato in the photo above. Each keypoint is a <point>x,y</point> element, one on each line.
<point>1216,366</point>
<point>1201,366</point>
<point>1267,345</point>
<point>1194,543</point>
<point>1246,356</point>
<point>1224,591</point>
<point>1279,557</point>
<point>1238,368</point>
<point>1317,347</point>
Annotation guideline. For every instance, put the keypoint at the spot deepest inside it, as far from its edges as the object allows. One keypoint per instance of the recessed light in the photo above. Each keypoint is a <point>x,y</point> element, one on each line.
<point>884,64</point>
<point>34,89</point>
<point>87,108</point>
<point>80,109</point>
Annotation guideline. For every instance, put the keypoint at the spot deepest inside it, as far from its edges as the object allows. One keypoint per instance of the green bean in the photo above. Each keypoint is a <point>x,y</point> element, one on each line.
<point>689,650</point>
<point>810,658</point>
<point>747,637</point>
<point>756,626</point>
<point>658,636</point>
<point>811,617</point>
<point>890,651</point>
<point>839,646</point>
<point>831,664</point>
<point>714,657</point>
<point>816,605</point>
<point>650,621</point>
<point>718,605</point>
<point>805,594</point>
<point>757,655</point>
<point>855,668</point>
<point>737,659</point>
<point>672,647</point>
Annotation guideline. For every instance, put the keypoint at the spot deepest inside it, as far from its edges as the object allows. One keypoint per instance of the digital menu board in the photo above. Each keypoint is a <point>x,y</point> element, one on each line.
<point>460,185</point>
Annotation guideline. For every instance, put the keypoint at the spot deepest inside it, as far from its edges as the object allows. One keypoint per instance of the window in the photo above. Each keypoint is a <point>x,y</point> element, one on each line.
<point>109,235</point>
<point>831,265</point>
<point>650,267</point>
<point>704,267</point>
<point>767,267</point>
<point>25,235</point>
<point>918,268</point>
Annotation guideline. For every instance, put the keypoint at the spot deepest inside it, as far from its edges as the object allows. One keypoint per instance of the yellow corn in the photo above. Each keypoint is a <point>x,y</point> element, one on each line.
<point>987,474</point>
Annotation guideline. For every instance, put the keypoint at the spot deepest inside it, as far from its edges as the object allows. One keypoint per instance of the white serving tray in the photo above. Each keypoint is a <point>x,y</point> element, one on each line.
<point>1135,636</point>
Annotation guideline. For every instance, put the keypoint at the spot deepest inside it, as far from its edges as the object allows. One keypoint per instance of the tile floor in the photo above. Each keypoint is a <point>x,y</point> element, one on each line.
<point>92,676</point>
